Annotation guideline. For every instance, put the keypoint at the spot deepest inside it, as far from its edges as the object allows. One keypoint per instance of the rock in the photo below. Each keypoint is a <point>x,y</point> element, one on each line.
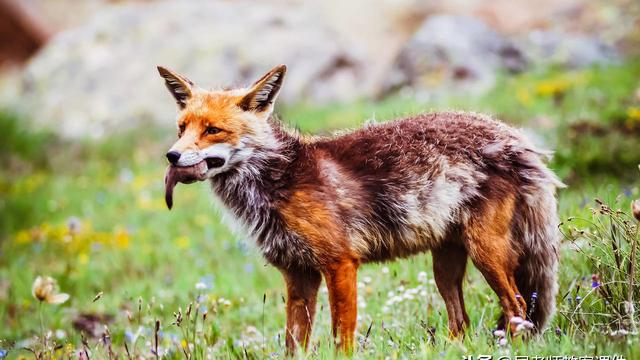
<point>455,50</point>
<point>460,52</point>
<point>545,48</point>
<point>101,77</point>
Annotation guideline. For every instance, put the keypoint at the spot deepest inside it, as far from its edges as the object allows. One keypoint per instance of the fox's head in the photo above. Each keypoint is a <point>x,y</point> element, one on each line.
<point>221,128</point>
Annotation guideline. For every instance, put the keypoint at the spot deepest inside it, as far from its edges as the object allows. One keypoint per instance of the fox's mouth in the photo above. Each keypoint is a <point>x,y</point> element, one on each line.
<point>188,174</point>
<point>214,162</point>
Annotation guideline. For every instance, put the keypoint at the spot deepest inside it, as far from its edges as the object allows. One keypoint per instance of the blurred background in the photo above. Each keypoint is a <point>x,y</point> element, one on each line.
<point>85,121</point>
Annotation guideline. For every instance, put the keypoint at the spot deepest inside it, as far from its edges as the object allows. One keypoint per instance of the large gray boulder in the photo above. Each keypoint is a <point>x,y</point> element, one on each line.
<point>452,50</point>
<point>463,53</point>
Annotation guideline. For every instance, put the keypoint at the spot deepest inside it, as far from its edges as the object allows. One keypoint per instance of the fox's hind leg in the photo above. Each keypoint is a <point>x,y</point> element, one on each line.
<point>449,265</point>
<point>341,279</point>
<point>488,239</point>
<point>302,291</point>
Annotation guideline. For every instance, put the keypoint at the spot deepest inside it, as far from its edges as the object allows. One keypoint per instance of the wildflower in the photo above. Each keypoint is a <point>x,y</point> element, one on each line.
<point>633,114</point>
<point>182,242</point>
<point>618,334</point>
<point>44,289</point>
<point>121,238</point>
<point>635,209</point>
<point>3,353</point>
<point>422,277</point>
<point>73,225</point>
<point>594,281</point>
<point>385,270</point>
<point>201,285</point>
<point>367,279</point>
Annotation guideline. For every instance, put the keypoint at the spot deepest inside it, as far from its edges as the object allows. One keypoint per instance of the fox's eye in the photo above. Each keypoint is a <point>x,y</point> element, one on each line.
<point>212,130</point>
<point>181,128</point>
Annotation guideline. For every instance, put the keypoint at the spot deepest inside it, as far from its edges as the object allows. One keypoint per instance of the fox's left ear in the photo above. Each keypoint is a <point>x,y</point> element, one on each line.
<point>179,86</point>
<point>263,92</point>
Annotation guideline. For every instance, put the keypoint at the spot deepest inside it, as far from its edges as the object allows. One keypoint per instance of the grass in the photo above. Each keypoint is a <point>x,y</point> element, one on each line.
<point>92,216</point>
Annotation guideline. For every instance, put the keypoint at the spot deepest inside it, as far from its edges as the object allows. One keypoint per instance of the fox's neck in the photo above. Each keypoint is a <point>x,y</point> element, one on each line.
<point>251,193</point>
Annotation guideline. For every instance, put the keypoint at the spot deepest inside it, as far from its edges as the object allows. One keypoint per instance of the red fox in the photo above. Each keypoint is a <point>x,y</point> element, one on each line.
<point>461,185</point>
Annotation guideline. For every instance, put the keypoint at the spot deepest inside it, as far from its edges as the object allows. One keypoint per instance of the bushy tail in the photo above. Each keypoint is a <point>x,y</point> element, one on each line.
<point>536,226</point>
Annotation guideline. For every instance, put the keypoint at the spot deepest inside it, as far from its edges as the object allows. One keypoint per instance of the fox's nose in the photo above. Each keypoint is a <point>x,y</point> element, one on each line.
<point>173,157</point>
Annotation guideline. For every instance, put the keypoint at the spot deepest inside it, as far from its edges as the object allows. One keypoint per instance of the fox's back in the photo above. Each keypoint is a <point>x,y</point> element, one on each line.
<point>420,142</point>
<point>415,180</point>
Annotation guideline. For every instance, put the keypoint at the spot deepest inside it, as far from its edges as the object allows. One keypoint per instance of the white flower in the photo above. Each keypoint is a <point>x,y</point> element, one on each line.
<point>367,279</point>
<point>201,286</point>
<point>44,289</point>
<point>385,270</point>
<point>422,277</point>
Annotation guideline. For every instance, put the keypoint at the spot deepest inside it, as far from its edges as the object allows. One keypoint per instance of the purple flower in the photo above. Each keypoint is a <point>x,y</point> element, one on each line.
<point>129,335</point>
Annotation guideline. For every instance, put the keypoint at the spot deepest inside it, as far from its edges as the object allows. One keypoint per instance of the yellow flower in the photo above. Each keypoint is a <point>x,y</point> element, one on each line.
<point>182,242</point>
<point>23,237</point>
<point>44,289</point>
<point>633,113</point>
<point>122,239</point>
<point>552,87</point>
<point>523,96</point>
<point>83,258</point>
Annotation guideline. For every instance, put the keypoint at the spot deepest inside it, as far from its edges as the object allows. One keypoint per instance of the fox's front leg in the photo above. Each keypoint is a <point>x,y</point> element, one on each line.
<point>302,292</point>
<point>341,281</point>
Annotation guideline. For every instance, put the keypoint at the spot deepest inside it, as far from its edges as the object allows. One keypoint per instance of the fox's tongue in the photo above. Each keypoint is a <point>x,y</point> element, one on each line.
<point>185,175</point>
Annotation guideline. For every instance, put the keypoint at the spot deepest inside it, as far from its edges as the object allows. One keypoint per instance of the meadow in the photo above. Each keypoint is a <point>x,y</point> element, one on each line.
<point>180,284</point>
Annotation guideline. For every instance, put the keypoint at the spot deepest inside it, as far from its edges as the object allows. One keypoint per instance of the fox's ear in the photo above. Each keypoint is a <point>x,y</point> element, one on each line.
<point>263,92</point>
<point>179,86</point>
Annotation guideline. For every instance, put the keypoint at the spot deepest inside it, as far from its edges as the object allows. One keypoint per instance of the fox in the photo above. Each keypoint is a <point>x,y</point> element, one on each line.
<point>460,185</point>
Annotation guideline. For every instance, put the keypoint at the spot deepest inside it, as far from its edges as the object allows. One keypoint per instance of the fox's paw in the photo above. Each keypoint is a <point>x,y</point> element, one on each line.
<point>517,327</point>
<point>520,326</point>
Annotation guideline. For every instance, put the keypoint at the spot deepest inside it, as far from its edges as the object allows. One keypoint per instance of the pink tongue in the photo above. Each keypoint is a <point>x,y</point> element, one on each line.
<point>185,175</point>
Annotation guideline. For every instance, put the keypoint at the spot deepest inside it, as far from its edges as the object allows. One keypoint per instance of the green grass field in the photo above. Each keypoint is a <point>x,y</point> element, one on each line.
<point>92,215</point>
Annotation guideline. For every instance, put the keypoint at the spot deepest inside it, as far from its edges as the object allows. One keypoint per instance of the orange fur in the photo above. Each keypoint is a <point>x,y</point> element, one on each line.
<point>489,244</point>
<point>312,219</point>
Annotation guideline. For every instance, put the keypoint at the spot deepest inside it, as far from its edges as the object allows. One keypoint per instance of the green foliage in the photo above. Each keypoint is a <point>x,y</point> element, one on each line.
<point>604,241</point>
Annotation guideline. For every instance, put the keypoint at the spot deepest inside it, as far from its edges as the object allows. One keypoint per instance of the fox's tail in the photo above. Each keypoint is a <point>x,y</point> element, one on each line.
<point>536,226</point>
